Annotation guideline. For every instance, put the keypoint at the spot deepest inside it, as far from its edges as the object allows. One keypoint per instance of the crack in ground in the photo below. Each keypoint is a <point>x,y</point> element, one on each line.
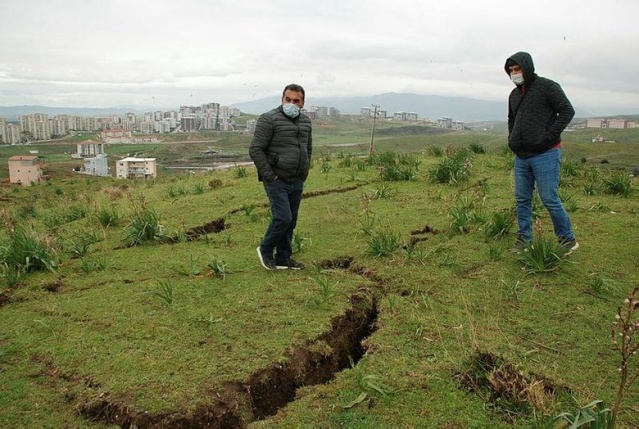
<point>263,393</point>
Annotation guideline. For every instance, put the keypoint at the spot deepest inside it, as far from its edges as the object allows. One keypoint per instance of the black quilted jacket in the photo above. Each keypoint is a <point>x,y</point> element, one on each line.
<point>282,146</point>
<point>538,111</point>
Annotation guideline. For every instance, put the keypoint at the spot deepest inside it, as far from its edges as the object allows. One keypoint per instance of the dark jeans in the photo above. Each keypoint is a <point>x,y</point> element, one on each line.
<point>285,201</point>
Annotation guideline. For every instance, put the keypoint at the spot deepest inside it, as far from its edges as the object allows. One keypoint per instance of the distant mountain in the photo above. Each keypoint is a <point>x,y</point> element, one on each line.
<point>426,106</point>
<point>433,107</point>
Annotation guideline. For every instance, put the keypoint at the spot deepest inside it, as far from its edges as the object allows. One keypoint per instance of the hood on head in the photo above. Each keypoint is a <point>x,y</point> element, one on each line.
<point>524,60</point>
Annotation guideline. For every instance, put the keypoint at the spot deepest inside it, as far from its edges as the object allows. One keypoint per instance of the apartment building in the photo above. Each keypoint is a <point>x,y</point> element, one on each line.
<point>136,168</point>
<point>88,149</point>
<point>25,170</point>
<point>97,166</point>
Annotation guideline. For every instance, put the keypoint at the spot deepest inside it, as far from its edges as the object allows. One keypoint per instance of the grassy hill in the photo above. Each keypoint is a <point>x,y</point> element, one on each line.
<point>143,302</point>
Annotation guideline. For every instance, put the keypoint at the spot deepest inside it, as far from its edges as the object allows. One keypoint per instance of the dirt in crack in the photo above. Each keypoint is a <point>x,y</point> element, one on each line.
<point>274,387</point>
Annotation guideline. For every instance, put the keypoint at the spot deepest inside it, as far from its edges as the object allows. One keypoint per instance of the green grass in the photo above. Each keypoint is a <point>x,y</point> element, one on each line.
<point>163,327</point>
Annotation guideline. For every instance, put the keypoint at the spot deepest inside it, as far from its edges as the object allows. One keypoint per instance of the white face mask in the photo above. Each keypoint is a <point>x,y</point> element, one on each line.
<point>517,79</point>
<point>291,110</point>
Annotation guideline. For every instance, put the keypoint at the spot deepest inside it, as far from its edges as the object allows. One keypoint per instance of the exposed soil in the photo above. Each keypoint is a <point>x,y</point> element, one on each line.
<point>265,391</point>
<point>506,388</point>
<point>212,227</point>
<point>4,298</point>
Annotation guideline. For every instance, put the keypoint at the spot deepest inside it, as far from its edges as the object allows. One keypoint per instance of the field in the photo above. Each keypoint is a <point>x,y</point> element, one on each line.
<point>143,304</point>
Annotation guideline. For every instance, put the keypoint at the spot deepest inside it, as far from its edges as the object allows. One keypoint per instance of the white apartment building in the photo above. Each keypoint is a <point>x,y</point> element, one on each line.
<point>136,168</point>
<point>97,166</point>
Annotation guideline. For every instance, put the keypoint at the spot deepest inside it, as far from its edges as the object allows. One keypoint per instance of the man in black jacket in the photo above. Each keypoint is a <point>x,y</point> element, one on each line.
<point>538,111</point>
<point>281,150</point>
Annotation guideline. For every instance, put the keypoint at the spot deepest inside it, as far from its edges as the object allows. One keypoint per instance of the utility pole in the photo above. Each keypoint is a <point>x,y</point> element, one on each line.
<point>371,148</point>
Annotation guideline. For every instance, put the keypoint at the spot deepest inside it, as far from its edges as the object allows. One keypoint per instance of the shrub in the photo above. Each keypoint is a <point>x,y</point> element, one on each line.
<point>143,227</point>
<point>451,170</point>
<point>25,251</point>
<point>215,183</point>
<point>384,244</point>
<point>239,172</point>
<point>543,255</point>
<point>499,225</point>
<point>477,148</point>
<point>108,216</point>
<point>618,184</point>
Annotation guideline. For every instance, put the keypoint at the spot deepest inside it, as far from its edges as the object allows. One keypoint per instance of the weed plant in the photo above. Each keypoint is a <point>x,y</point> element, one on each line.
<point>27,251</point>
<point>594,415</point>
<point>500,225</point>
<point>618,183</point>
<point>143,227</point>
<point>455,167</point>
<point>108,217</point>
<point>384,244</point>
<point>625,338</point>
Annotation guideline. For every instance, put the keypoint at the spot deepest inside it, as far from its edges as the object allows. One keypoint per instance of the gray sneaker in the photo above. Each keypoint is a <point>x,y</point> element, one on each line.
<point>518,247</point>
<point>267,261</point>
<point>568,246</point>
<point>291,264</point>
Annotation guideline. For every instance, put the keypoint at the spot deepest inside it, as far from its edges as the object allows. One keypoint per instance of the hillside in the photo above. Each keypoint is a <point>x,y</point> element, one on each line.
<point>143,304</point>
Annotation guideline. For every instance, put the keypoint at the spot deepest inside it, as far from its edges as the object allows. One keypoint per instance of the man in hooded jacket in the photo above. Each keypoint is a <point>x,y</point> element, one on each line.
<point>538,112</point>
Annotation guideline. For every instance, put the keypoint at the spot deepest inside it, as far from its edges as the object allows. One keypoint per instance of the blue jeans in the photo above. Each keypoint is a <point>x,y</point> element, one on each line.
<point>542,169</point>
<point>285,201</point>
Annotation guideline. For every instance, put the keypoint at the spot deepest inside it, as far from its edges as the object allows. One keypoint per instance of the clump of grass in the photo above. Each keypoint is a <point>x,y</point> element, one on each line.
<point>595,415</point>
<point>477,148</point>
<point>164,291</point>
<point>325,168</point>
<point>218,267</point>
<point>505,387</point>
<point>569,168</point>
<point>435,151</point>
<point>144,227</point>
<point>176,191</point>
<point>499,225</point>
<point>568,200</point>
<point>89,265</point>
<point>543,255</point>
<point>239,172</point>
<point>618,184</point>
<point>462,217</point>
<point>189,270</point>
<point>198,188</point>
<point>108,216</point>
<point>396,167</point>
<point>384,244</point>
<point>80,246</point>
<point>325,293</point>
<point>452,168</point>
<point>382,191</point>
<point>298,242</point>
<point>26,251</point>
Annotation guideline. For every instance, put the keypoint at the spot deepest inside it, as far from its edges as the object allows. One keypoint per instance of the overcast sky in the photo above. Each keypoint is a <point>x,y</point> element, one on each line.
<point>108,53</point>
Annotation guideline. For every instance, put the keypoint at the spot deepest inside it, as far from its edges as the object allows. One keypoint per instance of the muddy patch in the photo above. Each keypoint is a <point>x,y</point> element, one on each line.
<point>507,389</point>
<point>54,286</point>
<point>213,227</point>
<point>4,298</point>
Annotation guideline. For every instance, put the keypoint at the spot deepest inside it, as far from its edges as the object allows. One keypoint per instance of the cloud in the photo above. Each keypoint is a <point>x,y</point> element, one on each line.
<point>119,52</point>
